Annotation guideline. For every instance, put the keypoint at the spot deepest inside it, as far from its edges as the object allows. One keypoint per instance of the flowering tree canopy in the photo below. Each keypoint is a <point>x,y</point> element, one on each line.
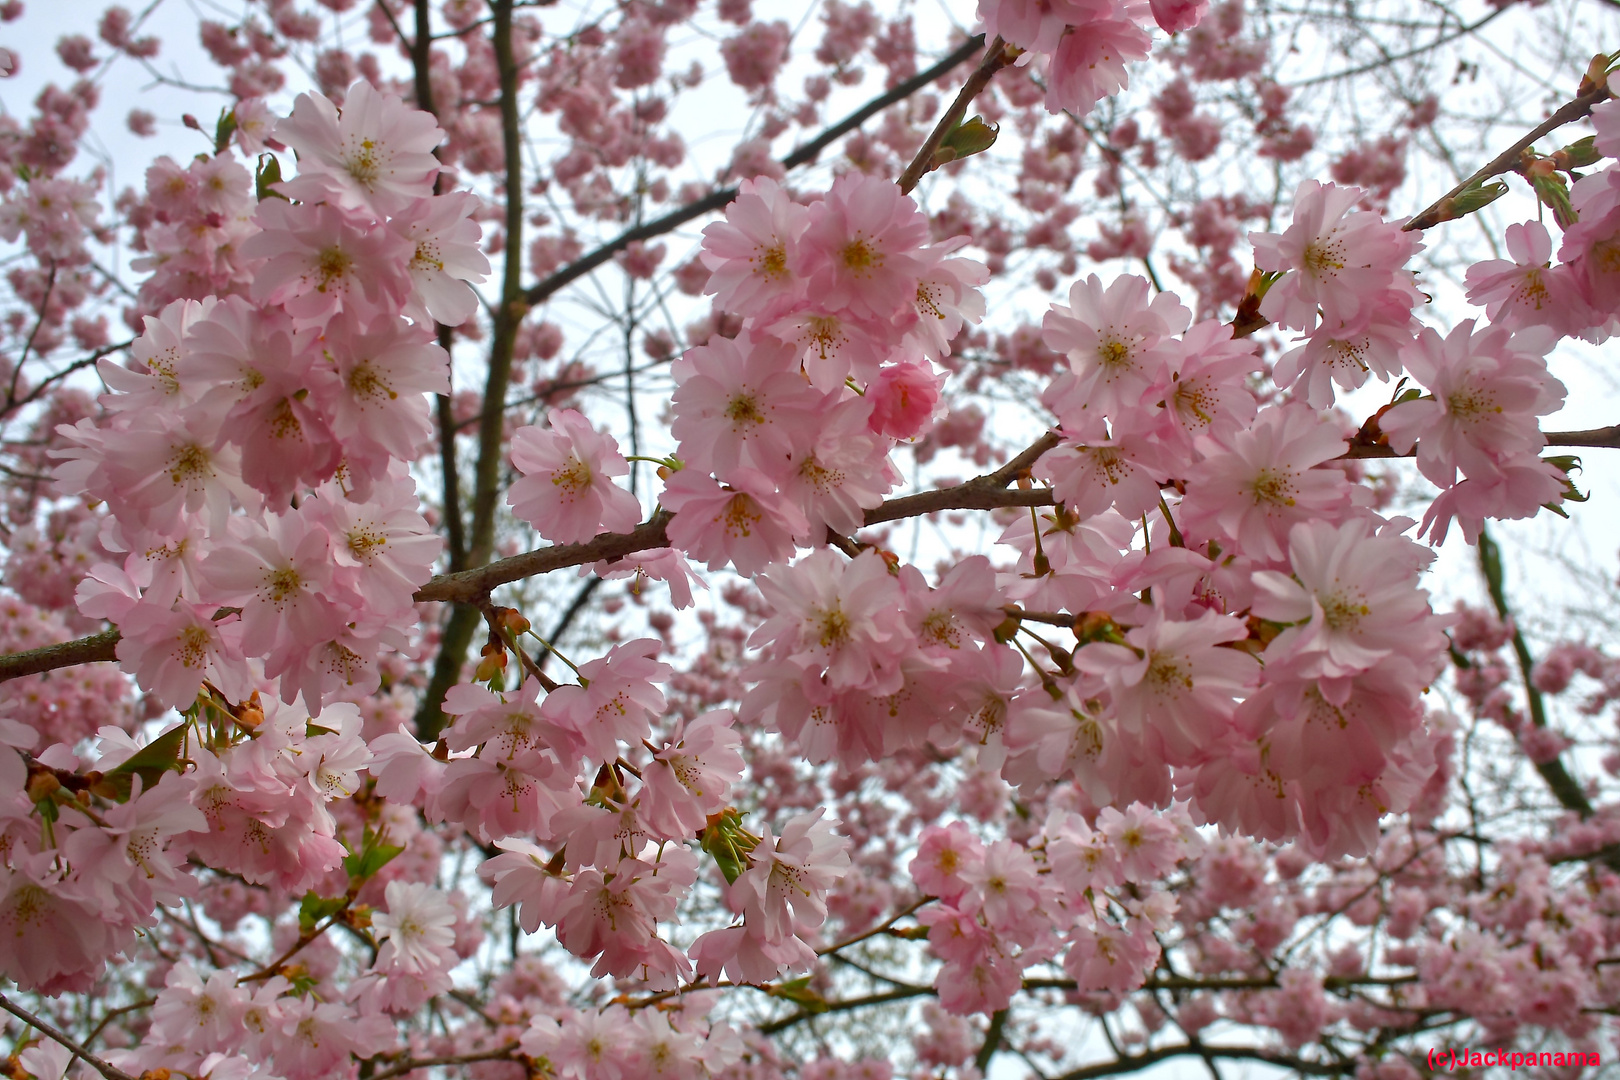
<point>945,505</point>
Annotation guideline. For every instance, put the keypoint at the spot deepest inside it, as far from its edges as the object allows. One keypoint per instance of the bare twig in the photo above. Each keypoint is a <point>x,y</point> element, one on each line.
<point>996,57</point>
<point>49,1030</point>
<point>1508,159</point>
<point>504,1053</point>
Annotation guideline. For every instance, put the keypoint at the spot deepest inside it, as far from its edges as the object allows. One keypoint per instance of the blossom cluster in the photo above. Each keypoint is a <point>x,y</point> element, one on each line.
<point>1250,638</point>
<point>1060,899</point>
<point>1086,43</point>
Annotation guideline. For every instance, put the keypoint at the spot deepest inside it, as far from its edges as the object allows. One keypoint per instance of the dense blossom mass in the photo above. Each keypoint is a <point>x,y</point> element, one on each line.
<point>1185,695</point>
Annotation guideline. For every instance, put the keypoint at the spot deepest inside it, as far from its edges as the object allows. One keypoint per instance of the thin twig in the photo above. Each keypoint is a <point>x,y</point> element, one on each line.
<point>505,1053</point>
<point>1507,160</point>
<point>44,1027</point>
<point>996,57</point>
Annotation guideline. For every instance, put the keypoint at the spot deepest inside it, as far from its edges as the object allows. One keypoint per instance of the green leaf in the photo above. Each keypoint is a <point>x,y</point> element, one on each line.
<point>315,908</point>
<point>728,843</point>
<point>269,172</point>
<point>224,129</point>
<point>372,857</point>
<point>1476,197</point>
<point>966,139</point>
<point>150,762</point>
<point>1581,153</point>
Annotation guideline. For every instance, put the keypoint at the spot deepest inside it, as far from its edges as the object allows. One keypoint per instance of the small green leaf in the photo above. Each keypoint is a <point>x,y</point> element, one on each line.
<point>224,129</point>
<point>966,139</point>
<point>1581,153</point>
<point>150,762</point>
<point>269,172</point>
<point>1476,197</point>
<point>315,908</point>
<point>373,855</point>
<point>728,843</point>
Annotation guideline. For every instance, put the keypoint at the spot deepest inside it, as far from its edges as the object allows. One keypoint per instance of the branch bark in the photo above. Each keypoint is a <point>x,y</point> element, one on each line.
<point>1559,781</point>
<point>996,57</point>
<point>505,1053</point>
<point>1508,160</point>
<point>462,623</point>
<point>105,1068</point>
<point>986,492</point>
<point>509,312</point>
<point>469,587</point>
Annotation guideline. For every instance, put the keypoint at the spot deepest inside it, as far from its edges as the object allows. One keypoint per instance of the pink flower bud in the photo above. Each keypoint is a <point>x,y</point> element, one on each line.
<point>903,401</point>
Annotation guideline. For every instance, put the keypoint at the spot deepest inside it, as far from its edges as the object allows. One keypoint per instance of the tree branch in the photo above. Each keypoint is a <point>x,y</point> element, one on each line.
<point>998,56</point>
<point>992,1040</point>
<point>460,625</point>
<point>1507,160</point>
<point>105,1068</point>
<point>87,650</point>
<point>1138,1062</point>
<point>987,492</point>
<point>410,1065</point>
<point>1563,786</point>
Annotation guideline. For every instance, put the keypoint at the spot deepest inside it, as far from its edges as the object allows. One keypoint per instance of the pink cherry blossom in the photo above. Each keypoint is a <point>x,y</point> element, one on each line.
<point>323,261</point>
<point>1488,388</point>
<point>376,154</point>
<point>1332,257</point>
<point>752,253</point>
<point>859,250</point>
<point>747,523</point>
<point>566,491</point>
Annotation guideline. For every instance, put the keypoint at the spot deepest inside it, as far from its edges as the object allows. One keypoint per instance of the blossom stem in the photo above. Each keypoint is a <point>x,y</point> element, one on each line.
<point>552,650</point>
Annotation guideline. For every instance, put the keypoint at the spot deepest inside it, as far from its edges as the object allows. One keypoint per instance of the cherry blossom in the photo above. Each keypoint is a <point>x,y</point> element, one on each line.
<point>567,492</point>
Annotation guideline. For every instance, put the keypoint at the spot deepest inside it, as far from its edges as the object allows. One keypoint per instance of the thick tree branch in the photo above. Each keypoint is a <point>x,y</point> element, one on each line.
<point>848,1004</point>
<point>44,1027</point>
<point>515,303</point>
<point>509,312</point>
<point>1563,786</point>
<point>86,650</point>
<point>421,49</point>
<point>802,155</point>
<point>992,1040</point>
<point>1508,160</point>
<point>986,492</point>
